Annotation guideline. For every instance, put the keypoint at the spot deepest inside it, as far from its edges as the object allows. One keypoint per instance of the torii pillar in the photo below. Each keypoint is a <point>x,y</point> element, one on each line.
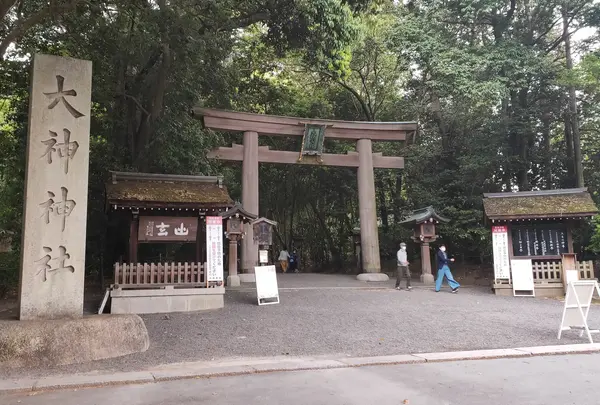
<point>369,236</point>
<point>250,199</point>
<point>363,133</point>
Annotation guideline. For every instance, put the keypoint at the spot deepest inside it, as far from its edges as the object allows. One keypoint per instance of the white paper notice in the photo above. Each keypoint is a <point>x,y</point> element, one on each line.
<point>500,251</point>
<point>214,248</point>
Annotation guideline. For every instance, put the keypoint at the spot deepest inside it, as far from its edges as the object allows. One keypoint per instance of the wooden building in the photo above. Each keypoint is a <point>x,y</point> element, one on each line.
<point>537,226</point>
<point>150,213</point>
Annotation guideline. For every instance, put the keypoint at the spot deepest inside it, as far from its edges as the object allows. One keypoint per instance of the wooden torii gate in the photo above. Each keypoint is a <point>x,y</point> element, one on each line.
<point>314,131</point>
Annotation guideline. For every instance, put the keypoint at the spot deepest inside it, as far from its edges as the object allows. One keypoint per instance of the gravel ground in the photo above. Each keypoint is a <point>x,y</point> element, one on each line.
<point>336,321</point>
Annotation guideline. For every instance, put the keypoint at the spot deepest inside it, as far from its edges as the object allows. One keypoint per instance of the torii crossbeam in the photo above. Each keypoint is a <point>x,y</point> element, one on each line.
<point>314,132</point>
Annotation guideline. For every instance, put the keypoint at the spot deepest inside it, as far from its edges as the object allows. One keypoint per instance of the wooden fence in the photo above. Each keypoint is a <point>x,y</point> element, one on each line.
<point>136,275</point>
<point>551,272</point>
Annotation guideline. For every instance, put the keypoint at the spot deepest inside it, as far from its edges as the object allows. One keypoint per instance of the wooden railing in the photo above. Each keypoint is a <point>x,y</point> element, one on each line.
<point>551,272</point>
<point>143,275</point>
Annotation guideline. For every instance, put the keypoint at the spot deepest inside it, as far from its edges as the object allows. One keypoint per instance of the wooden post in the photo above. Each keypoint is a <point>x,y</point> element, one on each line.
<point>427,277</point>
<point>250,198</point>
<point>369,237</point>
<point>233,280</point>
<point>133,238</point>
<point>570,272</point>
<point>199,239</point>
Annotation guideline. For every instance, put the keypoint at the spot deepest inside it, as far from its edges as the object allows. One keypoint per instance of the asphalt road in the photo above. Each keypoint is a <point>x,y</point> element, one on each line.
<point>559,380</point>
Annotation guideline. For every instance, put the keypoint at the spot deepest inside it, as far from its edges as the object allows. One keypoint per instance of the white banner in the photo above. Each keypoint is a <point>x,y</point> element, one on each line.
<point>214,249</point>
<point>500,250</point>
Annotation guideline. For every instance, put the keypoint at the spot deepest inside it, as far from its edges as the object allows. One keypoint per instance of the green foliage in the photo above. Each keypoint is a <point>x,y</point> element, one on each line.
<point>486,81</point>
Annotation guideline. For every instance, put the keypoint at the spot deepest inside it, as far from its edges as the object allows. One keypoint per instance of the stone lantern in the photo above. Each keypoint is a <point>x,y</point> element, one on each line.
<point>263,236</point>
<point>236,218</point>
<point>424,221</point>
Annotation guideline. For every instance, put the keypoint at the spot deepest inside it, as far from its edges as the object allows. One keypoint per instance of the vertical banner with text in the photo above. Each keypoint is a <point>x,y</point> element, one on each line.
<point>500,251</point>
<point>214,249</point>
<point>56,189</point>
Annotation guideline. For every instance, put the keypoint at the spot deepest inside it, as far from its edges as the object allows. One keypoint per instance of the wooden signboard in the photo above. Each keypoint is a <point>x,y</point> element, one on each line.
<point>167,229</point>
<point>539,240</point>
<point>267,291</point>
<point>577,306</point>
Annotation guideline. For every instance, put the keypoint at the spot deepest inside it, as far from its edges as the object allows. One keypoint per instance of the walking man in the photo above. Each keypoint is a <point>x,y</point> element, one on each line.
<point>402,270</point>
<point>284,258</point>
<point>444,271</point>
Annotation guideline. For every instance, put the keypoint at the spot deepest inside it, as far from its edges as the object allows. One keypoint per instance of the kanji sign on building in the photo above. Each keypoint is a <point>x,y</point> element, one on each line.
<point>168,229</point>
<point>500,251</point>
<point>214,248</point>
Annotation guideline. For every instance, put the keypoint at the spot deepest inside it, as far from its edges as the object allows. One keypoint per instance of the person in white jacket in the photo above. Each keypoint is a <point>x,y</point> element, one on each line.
<point>284,259</point>
<point>402,270</point>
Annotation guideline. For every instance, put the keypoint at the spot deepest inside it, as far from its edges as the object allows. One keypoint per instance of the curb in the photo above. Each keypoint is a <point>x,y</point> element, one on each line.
<point>214,369</point>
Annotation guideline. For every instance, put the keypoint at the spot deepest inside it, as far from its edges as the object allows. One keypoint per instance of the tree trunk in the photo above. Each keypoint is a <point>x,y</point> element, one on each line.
<point>383,210</point>
<point>546,119</point>
<point>572,113</point>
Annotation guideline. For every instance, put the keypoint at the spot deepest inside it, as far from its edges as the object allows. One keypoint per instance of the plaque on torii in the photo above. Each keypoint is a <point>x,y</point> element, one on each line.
<point>314,133</point>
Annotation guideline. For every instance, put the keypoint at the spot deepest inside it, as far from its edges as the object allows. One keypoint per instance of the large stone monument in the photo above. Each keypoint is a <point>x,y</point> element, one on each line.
<point>54,229</point>
<point>55,217</point>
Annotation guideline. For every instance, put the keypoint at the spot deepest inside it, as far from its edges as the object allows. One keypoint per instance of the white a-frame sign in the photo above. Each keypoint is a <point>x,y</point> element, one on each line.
<point>577,305</point>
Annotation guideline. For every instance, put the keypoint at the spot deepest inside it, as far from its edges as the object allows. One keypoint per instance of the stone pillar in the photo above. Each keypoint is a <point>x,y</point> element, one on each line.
<point>250,199</point>
<point>369,236</point>
<point>56,189</point>
<point>426,276</point>
<point>233,280</point>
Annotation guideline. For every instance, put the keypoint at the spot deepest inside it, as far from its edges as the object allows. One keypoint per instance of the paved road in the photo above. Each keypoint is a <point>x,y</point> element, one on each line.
<point>559,380</point>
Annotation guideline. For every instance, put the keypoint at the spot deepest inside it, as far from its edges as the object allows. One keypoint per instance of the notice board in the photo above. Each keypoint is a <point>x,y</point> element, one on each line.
<point>522,277</point>
<point>267,291</point>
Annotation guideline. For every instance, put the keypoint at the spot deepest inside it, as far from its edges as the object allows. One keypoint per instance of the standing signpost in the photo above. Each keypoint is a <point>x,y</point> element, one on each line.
<point>522,278</point>
<point>214,249</point>
<point>577,306</point>
<point>267,291</point>
<point>500,251</point>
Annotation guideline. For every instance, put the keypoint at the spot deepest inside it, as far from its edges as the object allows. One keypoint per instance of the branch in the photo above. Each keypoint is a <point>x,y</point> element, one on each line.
<point>245,21</point>
<point>511,11</point>
<point>561,39</point>
<point>136,101</point>
<point>5,6</point>
<point>352,91</point>
<point>17,32</point>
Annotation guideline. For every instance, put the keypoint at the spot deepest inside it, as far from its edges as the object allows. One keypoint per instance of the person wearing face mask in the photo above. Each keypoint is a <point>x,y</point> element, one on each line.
<point>444,271</point>
<point>402,270</point>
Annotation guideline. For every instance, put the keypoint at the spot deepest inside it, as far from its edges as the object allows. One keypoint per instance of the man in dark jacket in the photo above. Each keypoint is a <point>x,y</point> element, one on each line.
<point>444,270</point>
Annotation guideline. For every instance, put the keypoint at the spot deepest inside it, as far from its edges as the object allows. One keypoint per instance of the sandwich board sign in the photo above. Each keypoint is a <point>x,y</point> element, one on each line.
<point>522,278</point>
<point>267,291</point>
<point>577,305</point>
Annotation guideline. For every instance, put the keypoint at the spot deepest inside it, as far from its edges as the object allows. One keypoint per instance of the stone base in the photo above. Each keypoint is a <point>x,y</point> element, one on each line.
<point>427,279</point>
<point>59,342</point>
<point>541,290</point>
<point>372,277</point>
<point>247,278</point>
<point>233,281</point>
<point>168,299</point>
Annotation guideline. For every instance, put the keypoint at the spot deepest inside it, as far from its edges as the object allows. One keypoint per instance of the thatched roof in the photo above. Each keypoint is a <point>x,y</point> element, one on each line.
<point>550,204</point>
<point>144,190</point>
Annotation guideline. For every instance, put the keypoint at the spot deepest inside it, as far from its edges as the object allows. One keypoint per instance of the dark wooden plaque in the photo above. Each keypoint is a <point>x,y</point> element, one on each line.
<point>168,229</point>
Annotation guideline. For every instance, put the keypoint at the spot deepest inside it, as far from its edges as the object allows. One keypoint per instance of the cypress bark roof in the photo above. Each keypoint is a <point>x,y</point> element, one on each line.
<point>423,215</point>
<point>566,203</point>
<point>156,190</point>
